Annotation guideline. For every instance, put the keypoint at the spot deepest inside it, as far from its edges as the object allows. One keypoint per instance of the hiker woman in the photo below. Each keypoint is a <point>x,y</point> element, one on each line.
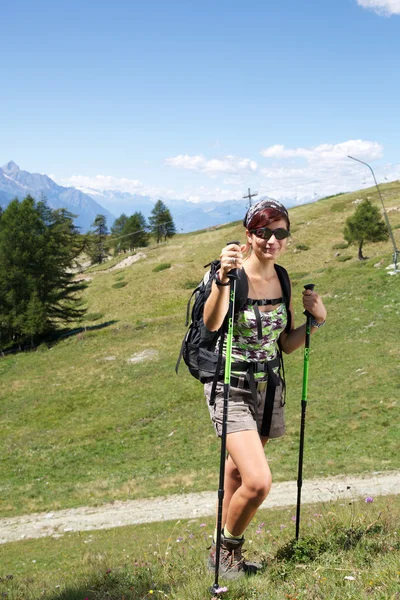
<point>263,327</point>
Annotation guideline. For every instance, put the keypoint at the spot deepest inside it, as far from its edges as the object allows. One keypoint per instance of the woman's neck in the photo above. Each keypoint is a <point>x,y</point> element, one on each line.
<point>263,270</point>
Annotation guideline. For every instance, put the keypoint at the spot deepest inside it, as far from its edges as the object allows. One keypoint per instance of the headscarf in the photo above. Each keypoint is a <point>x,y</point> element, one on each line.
<point>262,205</point>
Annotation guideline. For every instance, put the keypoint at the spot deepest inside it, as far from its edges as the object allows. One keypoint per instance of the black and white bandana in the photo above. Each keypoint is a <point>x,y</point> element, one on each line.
<point>261,205</point>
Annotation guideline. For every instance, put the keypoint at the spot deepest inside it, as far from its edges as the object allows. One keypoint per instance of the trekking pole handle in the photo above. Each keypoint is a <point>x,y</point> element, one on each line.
<point>233,274</point>
<point>308,286</point>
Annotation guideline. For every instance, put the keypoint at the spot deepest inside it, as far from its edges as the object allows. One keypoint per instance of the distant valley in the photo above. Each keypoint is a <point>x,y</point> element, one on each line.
<point>87,203</point>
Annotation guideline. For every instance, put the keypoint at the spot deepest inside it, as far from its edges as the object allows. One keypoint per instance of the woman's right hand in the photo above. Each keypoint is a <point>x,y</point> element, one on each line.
<point>231,258</point>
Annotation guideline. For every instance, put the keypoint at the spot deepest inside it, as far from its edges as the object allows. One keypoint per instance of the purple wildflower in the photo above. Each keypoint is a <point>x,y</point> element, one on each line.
<point>221,590</point>
<point>369,499</point>
<point>294,518</point>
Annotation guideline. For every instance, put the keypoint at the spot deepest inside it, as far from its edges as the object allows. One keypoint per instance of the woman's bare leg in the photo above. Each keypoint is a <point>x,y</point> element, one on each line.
<point>246,461</point>
<point>232,482</point>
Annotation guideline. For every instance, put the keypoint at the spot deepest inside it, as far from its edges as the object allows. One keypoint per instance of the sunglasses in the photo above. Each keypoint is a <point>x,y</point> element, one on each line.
<point>266,234</point>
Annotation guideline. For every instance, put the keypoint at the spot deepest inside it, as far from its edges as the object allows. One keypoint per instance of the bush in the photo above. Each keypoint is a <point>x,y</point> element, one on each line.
<point>162,267</point>
<point>344,258</point>
<point>298,275</point>
<point>119,284</point>
<point>190,284</point>
<point>93,316</point>
<point>340,246</point>
<point>302,247</point>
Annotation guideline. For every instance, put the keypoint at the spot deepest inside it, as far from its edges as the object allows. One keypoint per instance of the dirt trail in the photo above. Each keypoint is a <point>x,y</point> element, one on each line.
<point>188,506</point>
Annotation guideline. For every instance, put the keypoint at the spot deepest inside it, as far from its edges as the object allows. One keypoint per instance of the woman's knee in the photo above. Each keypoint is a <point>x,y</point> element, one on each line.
<point>257,488</point>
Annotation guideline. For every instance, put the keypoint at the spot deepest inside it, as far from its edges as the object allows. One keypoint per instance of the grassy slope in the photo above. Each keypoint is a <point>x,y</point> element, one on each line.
<point>79,429</point>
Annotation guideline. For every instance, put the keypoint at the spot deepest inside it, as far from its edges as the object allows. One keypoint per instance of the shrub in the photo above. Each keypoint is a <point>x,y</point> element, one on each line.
<point>302,247</point>
<point>340,246</point>
<point>298,275</point>
<point>344,258</point>
<point>120,284</point>
<point>190,284</point>
<point>162,267</point>
<point>94,316</point>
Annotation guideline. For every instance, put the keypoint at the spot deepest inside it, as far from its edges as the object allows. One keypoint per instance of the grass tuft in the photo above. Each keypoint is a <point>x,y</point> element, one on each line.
<point>161,267</point>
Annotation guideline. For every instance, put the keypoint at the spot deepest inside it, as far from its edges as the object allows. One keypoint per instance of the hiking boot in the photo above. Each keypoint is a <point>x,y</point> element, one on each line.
<point>231,561</point>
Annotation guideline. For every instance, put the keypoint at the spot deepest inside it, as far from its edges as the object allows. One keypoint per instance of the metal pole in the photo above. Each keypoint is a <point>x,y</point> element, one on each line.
<point>227,382</point>
<point>395,251</point>
<point>309,286</point>
<point>250,196</point>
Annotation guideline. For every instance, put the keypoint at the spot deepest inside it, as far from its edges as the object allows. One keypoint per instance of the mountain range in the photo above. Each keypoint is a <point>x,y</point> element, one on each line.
<point>86,204</point>
<point>16,183</point>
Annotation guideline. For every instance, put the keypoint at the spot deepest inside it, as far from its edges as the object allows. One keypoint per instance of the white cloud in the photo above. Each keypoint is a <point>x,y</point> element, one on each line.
<point>327,153</point>
<point>213,166</point>
<point>302,174</point>
<point>103,182</point>
<point>382,7</point>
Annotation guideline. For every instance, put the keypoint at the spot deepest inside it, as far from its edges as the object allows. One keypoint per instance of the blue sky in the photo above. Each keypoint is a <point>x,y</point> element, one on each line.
<point>201,100</point>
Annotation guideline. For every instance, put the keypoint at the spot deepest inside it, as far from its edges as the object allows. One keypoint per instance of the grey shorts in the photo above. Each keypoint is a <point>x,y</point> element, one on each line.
<point>244,412</point>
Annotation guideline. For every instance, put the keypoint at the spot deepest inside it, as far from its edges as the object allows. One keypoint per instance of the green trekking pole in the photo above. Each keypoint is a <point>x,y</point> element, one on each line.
<point>227,383</point>
<point>309,286</point>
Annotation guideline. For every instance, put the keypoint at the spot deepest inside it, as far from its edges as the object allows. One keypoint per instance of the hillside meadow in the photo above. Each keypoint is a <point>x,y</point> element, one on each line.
<point>82,424</point>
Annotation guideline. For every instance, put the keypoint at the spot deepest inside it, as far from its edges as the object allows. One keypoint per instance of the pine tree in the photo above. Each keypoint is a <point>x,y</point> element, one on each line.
<point>38,252</point>
<point>366,225</point>
<point>135,231</point>
<point>99,246</point>
<point>117,240</point>
<point>161,222</point>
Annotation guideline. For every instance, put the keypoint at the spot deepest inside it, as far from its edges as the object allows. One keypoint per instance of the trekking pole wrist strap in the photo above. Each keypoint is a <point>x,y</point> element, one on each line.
<point>315,323</point>
<point>219,282</point>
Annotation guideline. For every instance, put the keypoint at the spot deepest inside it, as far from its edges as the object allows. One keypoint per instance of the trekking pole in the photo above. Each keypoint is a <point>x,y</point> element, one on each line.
<point>227,383</point>
<point>309,286</point>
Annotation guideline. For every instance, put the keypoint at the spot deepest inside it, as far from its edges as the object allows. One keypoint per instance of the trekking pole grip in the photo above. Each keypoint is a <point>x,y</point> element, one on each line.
<point>308,286</point>
<point>233,274</point>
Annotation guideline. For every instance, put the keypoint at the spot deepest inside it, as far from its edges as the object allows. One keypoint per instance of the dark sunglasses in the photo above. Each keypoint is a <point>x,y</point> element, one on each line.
<point>266,234</point>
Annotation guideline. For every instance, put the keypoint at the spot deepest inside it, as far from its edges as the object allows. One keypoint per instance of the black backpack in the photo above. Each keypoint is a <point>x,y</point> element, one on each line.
<point>198,345</point>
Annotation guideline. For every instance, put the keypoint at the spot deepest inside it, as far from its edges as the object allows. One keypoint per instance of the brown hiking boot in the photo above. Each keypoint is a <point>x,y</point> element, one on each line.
<point>231,561</point>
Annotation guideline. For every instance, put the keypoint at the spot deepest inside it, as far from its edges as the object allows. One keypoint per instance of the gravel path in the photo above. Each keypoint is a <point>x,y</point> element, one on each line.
<point>188,506</point>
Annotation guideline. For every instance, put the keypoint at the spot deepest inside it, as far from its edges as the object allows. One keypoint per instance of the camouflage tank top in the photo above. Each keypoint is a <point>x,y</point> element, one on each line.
<point>246,346</point>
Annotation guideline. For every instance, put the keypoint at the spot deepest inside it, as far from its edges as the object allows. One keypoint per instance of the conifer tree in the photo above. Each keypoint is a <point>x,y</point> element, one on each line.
<point>161,222</point>
<point>38,252</point>
<point>99,246</point>
<point>135,231</point>
<point>117,240</point>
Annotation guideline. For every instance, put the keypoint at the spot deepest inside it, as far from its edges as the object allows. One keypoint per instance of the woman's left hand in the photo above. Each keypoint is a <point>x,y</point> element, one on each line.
<point>313,303</point>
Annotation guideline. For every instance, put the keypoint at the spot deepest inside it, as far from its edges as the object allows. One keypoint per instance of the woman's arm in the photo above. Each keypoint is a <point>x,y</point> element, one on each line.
<point>296,337</point>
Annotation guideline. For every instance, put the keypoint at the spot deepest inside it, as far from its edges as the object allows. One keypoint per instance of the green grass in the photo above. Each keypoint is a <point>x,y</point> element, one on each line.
<point>338,540</point>
<point>78,429</point>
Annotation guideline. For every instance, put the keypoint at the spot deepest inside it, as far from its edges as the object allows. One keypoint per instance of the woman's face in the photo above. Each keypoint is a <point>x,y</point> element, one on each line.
<point>268,249</point>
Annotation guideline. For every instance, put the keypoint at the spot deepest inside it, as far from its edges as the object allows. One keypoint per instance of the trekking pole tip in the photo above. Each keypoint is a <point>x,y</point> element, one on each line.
<point>214,589</point>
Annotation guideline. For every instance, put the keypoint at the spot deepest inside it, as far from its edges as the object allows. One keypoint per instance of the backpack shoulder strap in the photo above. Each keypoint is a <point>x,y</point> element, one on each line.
<point>286,292</point>
<point>242,290</point>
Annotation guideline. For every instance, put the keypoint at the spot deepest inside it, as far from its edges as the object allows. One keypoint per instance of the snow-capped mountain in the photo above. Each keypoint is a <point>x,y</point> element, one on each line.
<point>16,183</point>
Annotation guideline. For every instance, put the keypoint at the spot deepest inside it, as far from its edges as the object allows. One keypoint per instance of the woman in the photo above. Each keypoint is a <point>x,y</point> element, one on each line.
<point>247,474</point>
